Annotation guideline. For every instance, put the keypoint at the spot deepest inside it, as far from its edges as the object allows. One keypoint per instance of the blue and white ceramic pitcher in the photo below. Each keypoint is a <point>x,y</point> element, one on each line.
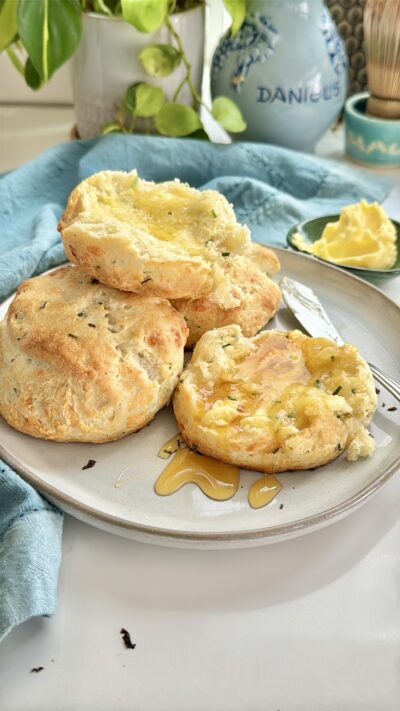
<point>287,70</point>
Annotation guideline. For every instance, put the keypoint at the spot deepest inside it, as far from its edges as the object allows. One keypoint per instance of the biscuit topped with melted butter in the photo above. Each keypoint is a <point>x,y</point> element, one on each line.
<point>277,401</point>
<point>164,239</point>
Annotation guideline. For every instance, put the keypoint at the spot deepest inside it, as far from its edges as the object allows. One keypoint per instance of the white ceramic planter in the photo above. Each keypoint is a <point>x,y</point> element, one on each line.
<point>107,62</point>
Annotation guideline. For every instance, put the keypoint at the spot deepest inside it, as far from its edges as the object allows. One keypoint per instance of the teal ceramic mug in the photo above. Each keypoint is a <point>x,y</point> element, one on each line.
<point>287,70</point>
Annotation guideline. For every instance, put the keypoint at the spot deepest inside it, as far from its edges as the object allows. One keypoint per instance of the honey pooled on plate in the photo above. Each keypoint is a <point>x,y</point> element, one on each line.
<point>363,236</point>
<point>171,446</point>
<point>263,491</point>
<point>217,480</point>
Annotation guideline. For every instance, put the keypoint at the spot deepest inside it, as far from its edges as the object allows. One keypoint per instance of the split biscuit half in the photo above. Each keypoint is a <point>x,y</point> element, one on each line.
<point>275,402</point>
<point>162,239</point>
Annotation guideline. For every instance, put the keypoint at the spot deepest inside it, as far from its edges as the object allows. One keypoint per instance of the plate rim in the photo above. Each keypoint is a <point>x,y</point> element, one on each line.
<point>303,525</point>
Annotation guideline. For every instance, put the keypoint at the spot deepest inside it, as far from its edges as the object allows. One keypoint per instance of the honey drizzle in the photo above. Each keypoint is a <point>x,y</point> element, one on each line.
<point>176,442</point>
<point>263,491</point>
<point>120,479</point>
<point>217,480</point>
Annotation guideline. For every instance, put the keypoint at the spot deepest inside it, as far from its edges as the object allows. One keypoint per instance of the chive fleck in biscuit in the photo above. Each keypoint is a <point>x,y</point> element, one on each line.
<point>80,361</point>
<point>162,239</point>
<point>277,401</point>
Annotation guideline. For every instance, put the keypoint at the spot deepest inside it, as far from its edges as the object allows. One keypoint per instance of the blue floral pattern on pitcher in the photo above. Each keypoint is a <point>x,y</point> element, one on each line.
<point>334,44</point>
<point>254,44</point>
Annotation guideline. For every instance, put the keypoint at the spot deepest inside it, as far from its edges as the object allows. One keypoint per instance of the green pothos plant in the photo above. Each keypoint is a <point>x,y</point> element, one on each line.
<point>40,35</point>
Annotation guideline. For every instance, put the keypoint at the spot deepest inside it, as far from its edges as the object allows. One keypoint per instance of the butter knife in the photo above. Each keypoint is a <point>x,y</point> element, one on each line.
<point>308,310</point>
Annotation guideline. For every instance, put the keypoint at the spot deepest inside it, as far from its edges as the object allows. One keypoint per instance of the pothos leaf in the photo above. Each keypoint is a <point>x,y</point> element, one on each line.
<point>177,120</point>
<point>32,78</point>
<point>200,135</point>
<point>237,11</point>
<point>8,22</point>
<point>50,32</point>
<point>145,15</point>
<point>228,114</point>
<point>160,60</point>
<point>144,100</point>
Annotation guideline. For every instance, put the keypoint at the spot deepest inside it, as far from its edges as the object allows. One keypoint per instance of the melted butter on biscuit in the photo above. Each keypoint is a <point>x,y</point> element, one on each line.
<point>276,401</point>
<point>276,364</point>
<point>257,394</point>
<point>174,212</point>
<point>167,239</point>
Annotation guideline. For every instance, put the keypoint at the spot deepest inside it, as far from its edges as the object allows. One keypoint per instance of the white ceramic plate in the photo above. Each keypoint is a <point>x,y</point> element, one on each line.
<point>311,499</point>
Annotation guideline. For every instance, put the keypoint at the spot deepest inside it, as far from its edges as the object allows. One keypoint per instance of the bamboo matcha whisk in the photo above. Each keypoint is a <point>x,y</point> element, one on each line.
<point>382,51</point>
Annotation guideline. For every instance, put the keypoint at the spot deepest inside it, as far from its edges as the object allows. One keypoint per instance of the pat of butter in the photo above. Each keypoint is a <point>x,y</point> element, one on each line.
<point>362,237</point>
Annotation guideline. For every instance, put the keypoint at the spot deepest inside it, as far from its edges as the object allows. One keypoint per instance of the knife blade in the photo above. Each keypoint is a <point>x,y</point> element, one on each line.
<point>308,310</point>
<point>305,305</point>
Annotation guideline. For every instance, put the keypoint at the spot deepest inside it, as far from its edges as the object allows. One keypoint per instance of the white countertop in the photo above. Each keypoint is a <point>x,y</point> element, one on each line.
<point>311,624</point>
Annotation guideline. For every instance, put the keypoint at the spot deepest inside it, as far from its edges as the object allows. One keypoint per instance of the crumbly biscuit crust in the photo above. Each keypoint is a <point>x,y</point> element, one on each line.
<point>275,402</point>
<point>80,361</point>
<point>256,300</point>
<point>162,239</point>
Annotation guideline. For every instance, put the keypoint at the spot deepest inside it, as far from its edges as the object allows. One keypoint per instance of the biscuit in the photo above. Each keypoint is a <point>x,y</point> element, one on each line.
<point>275,402</point>
<point>257,299</point>
<point>80,361</point>
<point>161,239</point>
<point>263,258</point>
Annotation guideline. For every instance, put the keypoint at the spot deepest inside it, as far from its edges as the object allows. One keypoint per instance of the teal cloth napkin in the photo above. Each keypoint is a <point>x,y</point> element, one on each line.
<point>30,551</point>
<point>271,189</point>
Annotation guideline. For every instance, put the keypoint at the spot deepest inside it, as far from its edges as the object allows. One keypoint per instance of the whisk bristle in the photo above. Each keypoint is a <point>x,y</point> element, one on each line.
<point>382,51</point>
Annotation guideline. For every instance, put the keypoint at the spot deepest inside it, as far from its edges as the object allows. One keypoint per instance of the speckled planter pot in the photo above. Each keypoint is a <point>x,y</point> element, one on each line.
<point>107,63</point>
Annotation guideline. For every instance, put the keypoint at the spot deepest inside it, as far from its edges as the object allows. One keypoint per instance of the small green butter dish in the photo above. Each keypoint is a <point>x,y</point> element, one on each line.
<point>311,230</point>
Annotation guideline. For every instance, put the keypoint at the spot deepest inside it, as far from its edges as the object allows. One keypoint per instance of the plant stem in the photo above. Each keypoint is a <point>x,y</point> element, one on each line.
<point>100,6</point>
<point>132,122</point>
<point>180,86</point>
<point>187,80</point>
<point>16,62</point>
<point>120,117</point>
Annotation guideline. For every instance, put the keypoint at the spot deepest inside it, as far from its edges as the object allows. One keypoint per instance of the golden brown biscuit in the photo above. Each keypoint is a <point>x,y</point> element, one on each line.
<point>263,257</point>
<point>160,239</point>
<point>82,362</point>
<point>277,401</point>
<point>257,299</point>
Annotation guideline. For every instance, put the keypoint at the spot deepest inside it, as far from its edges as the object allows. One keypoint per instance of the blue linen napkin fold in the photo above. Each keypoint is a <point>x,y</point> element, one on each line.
<point>30,551</point>
<point>271,189</point>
